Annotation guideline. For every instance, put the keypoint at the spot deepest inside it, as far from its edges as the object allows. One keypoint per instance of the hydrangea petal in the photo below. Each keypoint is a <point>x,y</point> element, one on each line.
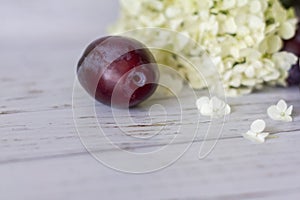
<point>254,137</point>
<point>287,118</point>
<point>255,6</point>
<point>289,110</point>
<point>227,110</point>
<point>287,30</point>
<point>202,101</point>
<point>206,110</point>
<point>250,72</point>
<point>273,112</point>
<point>258,126</point>
<point>281,106</point>
<point>261,137</point>
<point>250,136</point>
<point>227,4</point>
<point>274,44</point>
<point>217,103</point>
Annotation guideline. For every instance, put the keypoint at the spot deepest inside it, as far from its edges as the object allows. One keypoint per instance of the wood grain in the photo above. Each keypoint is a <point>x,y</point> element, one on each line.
<point>42,156</point>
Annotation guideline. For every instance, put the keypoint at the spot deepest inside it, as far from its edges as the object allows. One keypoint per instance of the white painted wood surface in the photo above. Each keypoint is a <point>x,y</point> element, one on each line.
<point>42,157</point>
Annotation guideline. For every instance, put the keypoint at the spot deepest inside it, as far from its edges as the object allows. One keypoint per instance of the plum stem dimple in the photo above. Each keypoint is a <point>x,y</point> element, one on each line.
<point>139,79</point>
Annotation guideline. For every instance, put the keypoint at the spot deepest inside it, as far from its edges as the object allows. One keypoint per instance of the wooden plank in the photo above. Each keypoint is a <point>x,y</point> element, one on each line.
<point>236,169</point>
<point>31,131</point>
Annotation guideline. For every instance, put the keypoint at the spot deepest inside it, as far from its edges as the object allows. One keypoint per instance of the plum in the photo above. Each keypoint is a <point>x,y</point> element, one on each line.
<point>118,71</point>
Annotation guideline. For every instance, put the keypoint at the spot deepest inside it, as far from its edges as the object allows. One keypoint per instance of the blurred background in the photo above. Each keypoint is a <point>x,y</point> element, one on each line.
<point>29,27</point>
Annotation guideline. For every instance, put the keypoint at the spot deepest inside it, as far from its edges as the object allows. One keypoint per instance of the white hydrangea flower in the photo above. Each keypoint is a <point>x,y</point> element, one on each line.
<point>256,134</point>
<point>280,112</point>
<point>245,36</point>
<point>284,60</point>
<point>213,107</point>
<point>135,6</point>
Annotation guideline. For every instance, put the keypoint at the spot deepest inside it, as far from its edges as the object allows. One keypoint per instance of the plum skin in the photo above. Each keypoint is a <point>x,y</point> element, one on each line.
<point>118,71</point>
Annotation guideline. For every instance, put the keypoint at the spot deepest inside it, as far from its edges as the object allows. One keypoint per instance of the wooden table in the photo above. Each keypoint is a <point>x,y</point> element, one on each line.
<point>42,155</point>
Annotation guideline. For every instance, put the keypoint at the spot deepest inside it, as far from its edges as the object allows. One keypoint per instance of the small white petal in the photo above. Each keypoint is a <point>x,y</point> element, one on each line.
<point>289,110</point>
<point>258,126</point>
<point>253,137</point>
<point>227,110</point>
<point>217,103</point>
<point>261,137</point>
<point>172,12</point>
<point>287,30</point>
<point>206,110</point>
<point>281,106</point>
<point>273,112</point>
<point>250,72</point>
<point>264,135</point>
<point>250,135</point>
<point>255,6</point>
<point>287,118</point>
<point>201,101</point>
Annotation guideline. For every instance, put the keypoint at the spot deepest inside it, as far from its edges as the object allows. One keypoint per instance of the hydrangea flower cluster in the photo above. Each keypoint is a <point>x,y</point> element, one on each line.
<point>242,37</point>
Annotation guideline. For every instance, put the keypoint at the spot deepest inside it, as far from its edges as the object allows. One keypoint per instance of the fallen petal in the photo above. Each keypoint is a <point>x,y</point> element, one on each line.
<point>273,113</point>
<point>252,137</point>
<point>264,135</point>
<point>217,103</point>
<point>287,118</point>
<point>258,126</point>
<point>289,110</point>
<point>227,110</point>
<point>201,101</point>
<point>206,110</point>
<point>281,106</point>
